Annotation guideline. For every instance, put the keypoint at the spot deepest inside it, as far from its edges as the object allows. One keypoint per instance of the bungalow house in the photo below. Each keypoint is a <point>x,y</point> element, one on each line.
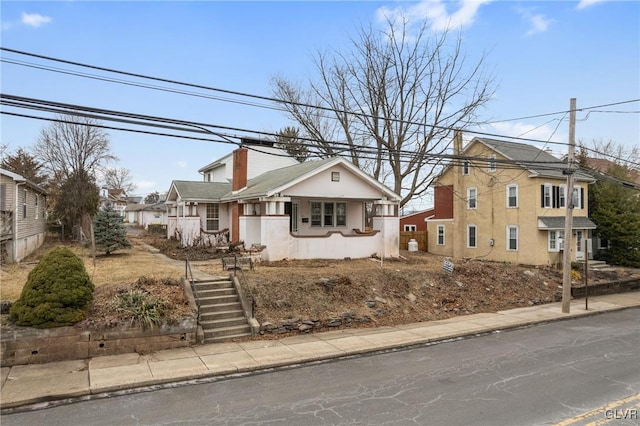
<point>316,209</point>
<point>24,219</point>
<point>146,214</point>
<point>506,201</point>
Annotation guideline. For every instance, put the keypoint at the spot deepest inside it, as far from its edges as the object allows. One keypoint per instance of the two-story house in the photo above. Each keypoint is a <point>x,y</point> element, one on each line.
<point>259,195</point>
<point>506,201</point>
<point>23,212</point>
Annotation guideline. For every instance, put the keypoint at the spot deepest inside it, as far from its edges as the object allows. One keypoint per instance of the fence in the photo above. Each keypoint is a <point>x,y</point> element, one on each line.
<point>419,236</point>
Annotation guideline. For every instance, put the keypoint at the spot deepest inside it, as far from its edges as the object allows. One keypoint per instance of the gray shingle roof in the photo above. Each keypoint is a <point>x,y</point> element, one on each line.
<point>273,179</point>
<point>531,158</point>
<point>557,222</point>
<point>195,191</point>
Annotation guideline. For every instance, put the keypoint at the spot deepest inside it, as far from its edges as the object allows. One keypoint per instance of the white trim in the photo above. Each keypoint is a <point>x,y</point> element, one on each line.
<point>475,198</point>
<point>444,231</point>
<point>512,185</point>
<point>475,227</point>
<point>508,246</point>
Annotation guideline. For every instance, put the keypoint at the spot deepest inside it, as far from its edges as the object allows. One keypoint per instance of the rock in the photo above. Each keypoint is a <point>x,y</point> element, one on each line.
<point>334,323</point>
<point>459,284</point>
<point>370,303</point>
<point>529,273</point>
<point>412,298</point>
<point>304,328</point>
<point>381,300</point>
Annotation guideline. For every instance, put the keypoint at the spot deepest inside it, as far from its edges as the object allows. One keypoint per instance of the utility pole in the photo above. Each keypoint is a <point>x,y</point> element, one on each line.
<point>568,218</point>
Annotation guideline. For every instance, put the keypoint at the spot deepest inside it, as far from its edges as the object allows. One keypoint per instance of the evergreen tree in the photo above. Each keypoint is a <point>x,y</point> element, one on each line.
<point>615,209</point>
<point>110,234</point>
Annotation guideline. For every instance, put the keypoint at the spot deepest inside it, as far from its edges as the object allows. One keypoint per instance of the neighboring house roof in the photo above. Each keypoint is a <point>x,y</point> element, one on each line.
<point>601,166</point>
<point>421,212</point>
<point>557,222</point>
<point>276,181</point>
<point>266,149</point>
<point>535,160</point>
<point>199,191</point>
<point>18,178</point>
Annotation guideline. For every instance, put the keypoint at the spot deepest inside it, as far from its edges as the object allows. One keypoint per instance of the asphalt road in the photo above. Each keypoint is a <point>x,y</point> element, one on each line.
<point>544,374</point>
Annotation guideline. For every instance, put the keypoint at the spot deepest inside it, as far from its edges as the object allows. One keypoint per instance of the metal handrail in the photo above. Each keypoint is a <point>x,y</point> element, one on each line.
<point>188,272</point>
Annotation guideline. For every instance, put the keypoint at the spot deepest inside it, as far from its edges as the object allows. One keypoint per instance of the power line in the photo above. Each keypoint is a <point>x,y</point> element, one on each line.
<point>260,97</point>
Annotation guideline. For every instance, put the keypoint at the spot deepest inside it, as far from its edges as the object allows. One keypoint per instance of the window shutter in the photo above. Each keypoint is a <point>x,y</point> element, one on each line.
<point>582,198</point>
<point>541,195</point>
<point>556,197</point>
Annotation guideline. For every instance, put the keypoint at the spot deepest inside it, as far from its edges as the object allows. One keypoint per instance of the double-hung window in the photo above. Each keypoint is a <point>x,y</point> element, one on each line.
<point>492,163</point>
<point>409,228</point>
<point>556,240</point>
<point>562,196</point>
<point>512,196</point>
<point>465,167</point>
<point>472,236</point>
<point>213,217</point>
<point>440,241</point>
<point>512,238</point>
<point>328,214</point>
<point>24,204</point>
<point>472,198</point>
<point>547,196</point>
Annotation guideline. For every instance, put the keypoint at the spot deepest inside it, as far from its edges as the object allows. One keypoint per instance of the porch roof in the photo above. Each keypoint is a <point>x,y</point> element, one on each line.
<point>200,191</point>
<point>557,222</point>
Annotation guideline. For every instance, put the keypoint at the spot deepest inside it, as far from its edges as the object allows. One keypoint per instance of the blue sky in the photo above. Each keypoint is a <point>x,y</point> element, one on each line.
<point>541,53</point>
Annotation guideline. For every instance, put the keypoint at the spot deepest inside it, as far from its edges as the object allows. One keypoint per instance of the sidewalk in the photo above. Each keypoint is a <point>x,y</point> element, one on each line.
<point>37,383</point>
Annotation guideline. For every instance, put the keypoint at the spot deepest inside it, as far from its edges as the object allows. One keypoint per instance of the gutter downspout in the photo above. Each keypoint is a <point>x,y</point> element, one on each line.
<point>15,222</point>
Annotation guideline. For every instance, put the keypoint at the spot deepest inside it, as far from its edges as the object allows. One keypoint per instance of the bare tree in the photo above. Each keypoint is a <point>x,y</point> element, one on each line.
<point>610,150</point>
<point>392,100</point>
<point>73,149</point>
<point>119,178</point>
<point>73,145</point>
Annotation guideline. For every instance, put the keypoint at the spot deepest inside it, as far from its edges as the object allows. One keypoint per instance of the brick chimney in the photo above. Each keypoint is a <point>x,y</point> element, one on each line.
<point>240,156</point>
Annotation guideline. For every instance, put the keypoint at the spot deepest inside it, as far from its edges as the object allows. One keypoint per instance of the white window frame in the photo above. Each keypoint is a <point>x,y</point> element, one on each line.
<point>36,207</point>
<point>491,166</point>
<point>440,235</point>
<point>294,217</point>
<point>562,196</point>
<point>553,243</point>
<point>329,210</point>
<point>465,167</point>
<point>24,204</point>
<point>472,202</point>
<point>576,200</point>
<point>212,220</point>
<point>515,187</point>
<point>409,228</point>
<point>509,239</point>
<point>475,236</point>
<point>548,196</point>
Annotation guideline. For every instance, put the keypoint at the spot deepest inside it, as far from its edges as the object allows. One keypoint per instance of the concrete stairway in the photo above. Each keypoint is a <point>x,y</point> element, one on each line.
<point>599,265</point>
<point>221,315</point>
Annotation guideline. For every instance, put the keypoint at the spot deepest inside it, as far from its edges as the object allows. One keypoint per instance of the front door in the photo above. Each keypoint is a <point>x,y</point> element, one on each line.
<point>579,246</point>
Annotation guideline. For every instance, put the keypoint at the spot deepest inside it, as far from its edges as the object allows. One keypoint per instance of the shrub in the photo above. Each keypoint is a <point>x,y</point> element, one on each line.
<point>56,292</point>
<point>141,307</point>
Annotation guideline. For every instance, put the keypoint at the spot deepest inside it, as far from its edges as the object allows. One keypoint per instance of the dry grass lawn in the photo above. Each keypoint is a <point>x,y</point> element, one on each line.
<point>124,266</point>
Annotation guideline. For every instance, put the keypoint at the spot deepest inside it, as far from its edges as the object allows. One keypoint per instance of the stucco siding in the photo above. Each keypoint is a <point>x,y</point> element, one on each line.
<point>322,186</point>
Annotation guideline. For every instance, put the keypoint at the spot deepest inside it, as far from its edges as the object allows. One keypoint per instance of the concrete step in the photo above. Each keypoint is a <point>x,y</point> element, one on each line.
<point>221,314</point>
<point>227,331</point>
<point>222,323</point>
<point>220,307</point>
<point>202,294</point>
<point>216,300</point>
<point>212,285</point>
<point>229,338</point>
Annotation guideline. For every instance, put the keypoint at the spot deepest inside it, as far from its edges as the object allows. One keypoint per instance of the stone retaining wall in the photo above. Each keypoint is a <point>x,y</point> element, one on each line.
<point>26,345</point>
